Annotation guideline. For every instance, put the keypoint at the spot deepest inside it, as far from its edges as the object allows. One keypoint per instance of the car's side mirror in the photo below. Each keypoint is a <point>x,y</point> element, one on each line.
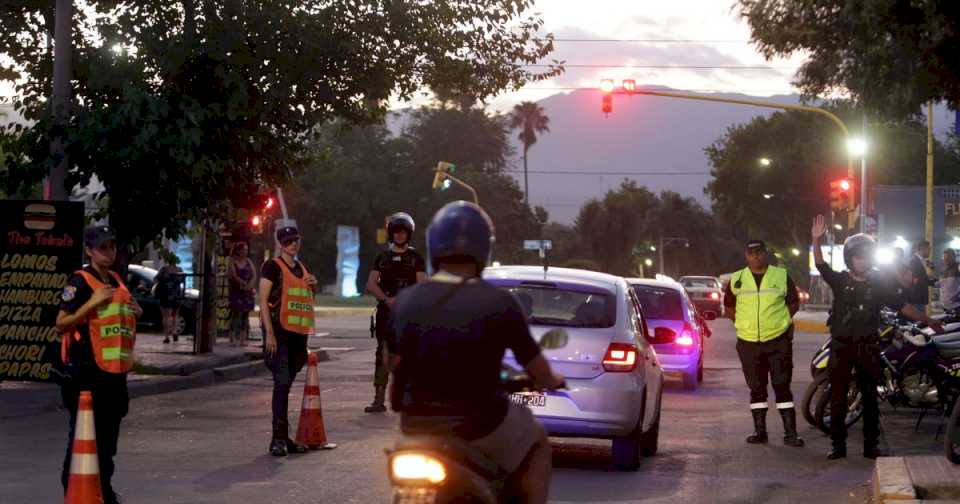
<point>554,339</point>
<point>663,335</point>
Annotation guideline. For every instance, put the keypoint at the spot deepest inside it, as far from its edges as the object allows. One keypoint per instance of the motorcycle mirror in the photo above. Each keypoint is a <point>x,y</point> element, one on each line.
<point>554,339</point>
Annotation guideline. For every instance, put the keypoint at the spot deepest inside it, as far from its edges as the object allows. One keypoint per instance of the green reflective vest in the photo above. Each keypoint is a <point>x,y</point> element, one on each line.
<point>762,312</point>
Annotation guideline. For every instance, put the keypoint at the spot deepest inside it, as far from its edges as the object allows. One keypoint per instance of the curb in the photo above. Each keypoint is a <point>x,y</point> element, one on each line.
<point>163,384</point>
<point>810,326</point>
<point>892,481</point>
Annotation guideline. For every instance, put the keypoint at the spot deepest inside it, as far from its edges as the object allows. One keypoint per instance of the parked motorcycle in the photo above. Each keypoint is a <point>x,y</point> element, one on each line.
<point>441,470</point>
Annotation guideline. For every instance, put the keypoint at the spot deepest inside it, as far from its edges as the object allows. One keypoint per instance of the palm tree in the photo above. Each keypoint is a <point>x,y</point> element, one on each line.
<point>530,119</point>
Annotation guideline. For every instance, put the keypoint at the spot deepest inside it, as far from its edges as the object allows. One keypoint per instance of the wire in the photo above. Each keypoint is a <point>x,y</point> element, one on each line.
<point>662,67</point>
<point>646,41</point>
<point>596,88</point>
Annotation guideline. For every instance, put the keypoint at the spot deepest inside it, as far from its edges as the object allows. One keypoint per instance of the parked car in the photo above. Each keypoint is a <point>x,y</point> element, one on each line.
<point>614,380</point>
<point>666,305</point>
<point>141,281</point>
<point>706,292</point>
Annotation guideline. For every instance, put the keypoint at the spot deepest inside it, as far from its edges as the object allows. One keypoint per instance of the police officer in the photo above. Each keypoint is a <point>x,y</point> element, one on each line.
<point>452,333</point>
<point>858,295</point>
<point>98,320</point>
<point>286,315</point>
<point>761,300</point>
<point>394,269</point>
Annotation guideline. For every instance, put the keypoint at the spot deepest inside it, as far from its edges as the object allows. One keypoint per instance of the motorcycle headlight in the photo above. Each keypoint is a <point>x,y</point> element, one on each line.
<point>416,466</point>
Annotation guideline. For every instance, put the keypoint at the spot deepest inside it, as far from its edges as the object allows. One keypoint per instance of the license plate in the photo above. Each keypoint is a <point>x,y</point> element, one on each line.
<point>529,399</point>
<point>414,495</point>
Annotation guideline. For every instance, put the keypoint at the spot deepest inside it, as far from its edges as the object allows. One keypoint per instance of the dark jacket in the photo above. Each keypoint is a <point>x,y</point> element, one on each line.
<point>920,292</point>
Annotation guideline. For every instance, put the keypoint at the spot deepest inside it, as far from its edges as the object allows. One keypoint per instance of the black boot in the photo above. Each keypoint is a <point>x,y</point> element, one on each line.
<point>839,451</point>
<point>378,401</point>
<point>295,447</point>
<point>278,448</point>
<point>759,435</point>
<point>790,437</point>
<point>872,450</point>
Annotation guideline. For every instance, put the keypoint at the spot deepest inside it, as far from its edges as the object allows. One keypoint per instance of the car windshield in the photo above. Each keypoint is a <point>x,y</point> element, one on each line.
<point>708,283</point>
<point>659,303</point>
<point>566,308</point>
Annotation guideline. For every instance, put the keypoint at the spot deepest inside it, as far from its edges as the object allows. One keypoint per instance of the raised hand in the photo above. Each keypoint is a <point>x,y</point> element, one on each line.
<point>819,228</point>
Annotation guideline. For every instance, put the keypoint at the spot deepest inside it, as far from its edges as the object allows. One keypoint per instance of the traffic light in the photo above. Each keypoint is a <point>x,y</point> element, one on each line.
<point>440,180</point>
<point>841,194</point>
<point>256,224</point>
<point>606,88</point>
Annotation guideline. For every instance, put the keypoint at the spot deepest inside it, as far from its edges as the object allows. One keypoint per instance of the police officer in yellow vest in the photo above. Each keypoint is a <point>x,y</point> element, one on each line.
<point>98,324</point>
<point>286,315</point>
<point>761,300</point>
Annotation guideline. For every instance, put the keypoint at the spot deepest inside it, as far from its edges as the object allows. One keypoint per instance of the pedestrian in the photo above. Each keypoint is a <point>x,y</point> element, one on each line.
<point>858,296</point>
<point>242,277</point>
<point>950,281</point>
<point>167,292</point>
<point>761,300</point>
<point>98,321</point>
<point>919,262</point>
<point>286,315</point>
<point>394,269</point>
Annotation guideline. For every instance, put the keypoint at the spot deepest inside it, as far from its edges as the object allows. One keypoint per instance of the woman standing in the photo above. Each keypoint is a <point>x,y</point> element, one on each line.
<point>242,292</point>
<point>168,295</point>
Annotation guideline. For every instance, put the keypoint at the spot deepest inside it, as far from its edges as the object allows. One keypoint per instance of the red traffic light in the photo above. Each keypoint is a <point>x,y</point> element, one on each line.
<point>269,203</point>
<point>256,220</point>
<point>844,184</point>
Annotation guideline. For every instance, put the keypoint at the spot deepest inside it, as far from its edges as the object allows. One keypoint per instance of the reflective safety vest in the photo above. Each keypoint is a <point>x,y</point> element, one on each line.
<point>296,301</point>
<point>762,312</point>
<point>112,327</point>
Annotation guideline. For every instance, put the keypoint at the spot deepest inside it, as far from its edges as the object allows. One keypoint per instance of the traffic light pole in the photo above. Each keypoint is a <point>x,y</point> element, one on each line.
<point>755,103</point>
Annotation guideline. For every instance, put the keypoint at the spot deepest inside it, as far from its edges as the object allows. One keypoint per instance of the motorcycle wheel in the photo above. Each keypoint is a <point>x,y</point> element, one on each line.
<point>811,396</point>
<point>952,439</point>
<point>854,408</point>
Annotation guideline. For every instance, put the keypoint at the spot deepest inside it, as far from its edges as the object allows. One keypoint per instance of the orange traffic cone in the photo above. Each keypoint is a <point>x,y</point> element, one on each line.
<point>310,430</point>
<point>83,486</point>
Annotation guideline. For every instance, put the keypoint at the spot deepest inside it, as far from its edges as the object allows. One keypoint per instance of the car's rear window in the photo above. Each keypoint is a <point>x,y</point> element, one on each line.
<point>659,303</point>
<point>699,283</point>
<point>566,308</point>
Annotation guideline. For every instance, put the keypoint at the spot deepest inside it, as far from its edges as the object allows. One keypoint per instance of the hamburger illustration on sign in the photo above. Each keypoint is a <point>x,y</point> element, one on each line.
<point>39,216</point>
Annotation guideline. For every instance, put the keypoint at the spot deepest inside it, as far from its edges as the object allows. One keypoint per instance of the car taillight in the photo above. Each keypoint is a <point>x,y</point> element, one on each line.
<point>620,357</point>
<point>715,295</point>
<point>686,336</point>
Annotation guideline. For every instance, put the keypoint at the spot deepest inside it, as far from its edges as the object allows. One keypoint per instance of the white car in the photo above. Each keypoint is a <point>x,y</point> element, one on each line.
<point>614,378</point>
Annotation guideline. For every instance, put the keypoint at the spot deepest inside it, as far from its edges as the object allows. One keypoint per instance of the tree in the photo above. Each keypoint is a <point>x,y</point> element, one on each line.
<point>182,107</point>
<point>891,56</point>
<point>530,119</point>
<point>804,159</point>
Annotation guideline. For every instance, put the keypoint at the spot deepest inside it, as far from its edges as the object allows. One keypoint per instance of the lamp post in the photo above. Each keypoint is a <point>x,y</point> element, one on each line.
<point>667,239</point>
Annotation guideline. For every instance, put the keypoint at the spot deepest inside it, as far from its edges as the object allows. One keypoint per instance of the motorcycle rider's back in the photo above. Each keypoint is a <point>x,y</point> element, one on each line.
<point>451,338</point>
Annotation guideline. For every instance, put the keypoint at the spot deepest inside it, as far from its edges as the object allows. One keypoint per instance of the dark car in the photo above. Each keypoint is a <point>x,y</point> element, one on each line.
<point>142,283</point>
<point>706,293</point>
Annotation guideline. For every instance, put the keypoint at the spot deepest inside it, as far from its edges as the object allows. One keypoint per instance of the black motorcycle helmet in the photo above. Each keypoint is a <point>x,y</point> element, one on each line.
<point>400,220</point>
<point>460,232</point>
<point>858,244</point>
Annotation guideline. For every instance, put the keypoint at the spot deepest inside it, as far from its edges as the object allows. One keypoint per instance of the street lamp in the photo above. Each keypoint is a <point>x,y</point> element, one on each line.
<point>795,252</point>
<point>857,146</point>
<point>648,262</point>
<point>667,239</point>
<point>838,227</point>
<point>652,249</point>
<point>765,161</point>
<point>767,196</point>
<point>955,243</point>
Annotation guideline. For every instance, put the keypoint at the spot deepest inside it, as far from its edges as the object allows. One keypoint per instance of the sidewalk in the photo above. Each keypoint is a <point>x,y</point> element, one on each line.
<point>811,322</point>
<point>916,478</point>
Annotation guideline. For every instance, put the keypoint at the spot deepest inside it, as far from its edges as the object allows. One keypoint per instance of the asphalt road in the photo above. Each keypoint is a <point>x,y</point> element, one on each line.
<point>209,445</point>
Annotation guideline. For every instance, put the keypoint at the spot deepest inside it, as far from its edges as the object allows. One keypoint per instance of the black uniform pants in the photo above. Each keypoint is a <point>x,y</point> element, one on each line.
<point>769,360</point>
<point>110,404</point>
<point>385,341</point>
<point>285,363</point>
<point>845,358</point>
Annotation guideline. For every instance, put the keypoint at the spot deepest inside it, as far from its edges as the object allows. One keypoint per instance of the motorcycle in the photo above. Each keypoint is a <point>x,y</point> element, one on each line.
<point>919,369</point>
<point>441,470</point>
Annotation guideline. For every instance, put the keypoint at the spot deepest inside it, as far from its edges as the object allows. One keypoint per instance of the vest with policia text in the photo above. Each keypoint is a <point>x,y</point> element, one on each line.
<point>296,301</point>
<point>112,327</point>
<point>762,312</point>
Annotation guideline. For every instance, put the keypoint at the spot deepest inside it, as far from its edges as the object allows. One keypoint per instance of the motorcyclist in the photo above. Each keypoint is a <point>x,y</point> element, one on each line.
<point>452,333</point>
<point>858,295</point>
<point>394,269</point>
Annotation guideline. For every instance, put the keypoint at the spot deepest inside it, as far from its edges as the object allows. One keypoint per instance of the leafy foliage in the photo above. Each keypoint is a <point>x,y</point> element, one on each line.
<point>893,56</point>
<point>180,107</point>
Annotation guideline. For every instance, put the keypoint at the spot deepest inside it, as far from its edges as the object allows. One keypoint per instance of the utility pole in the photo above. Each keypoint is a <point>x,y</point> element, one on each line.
<point>928,224</point>
<point>63,49</point>
<point>863,180</point>
<point>667,239</point>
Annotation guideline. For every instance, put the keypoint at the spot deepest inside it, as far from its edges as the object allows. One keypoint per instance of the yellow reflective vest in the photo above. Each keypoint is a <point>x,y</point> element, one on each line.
<point>762,312</point>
